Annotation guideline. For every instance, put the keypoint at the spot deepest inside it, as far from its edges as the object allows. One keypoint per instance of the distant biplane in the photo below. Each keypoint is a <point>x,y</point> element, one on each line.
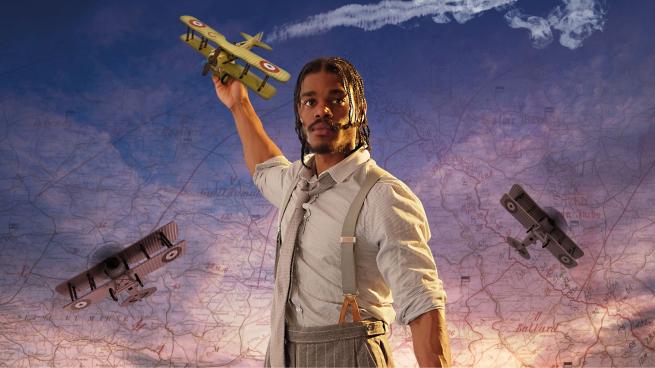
<point>124,271</point>
<point>545,226</point>
<point>221,60</point>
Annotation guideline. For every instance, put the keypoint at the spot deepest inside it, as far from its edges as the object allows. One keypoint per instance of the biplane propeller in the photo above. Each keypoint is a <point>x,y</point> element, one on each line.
<point>221,58</point>
<point>124,272</point>
<point>546,226</point>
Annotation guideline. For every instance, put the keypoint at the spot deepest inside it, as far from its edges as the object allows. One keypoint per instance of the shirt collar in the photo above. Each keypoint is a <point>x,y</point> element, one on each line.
<point>341,170</point>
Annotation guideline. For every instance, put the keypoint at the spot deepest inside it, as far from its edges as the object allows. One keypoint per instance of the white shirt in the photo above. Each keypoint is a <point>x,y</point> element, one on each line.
<point>391,254</point>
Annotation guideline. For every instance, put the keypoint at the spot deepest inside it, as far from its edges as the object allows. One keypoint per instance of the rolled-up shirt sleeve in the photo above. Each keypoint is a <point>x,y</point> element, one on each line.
<point>404,257</point>
<point>270,177</point>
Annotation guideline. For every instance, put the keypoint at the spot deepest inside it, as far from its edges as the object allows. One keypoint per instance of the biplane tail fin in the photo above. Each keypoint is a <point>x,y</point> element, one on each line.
<point>257,40</point>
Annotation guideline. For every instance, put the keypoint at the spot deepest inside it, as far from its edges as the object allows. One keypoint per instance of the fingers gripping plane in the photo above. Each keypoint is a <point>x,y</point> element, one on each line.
<point>221,59</point>
<point>123,272</point>
<point>546,226</point>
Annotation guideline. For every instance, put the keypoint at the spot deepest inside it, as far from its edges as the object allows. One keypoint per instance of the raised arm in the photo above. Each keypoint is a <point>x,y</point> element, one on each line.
<point>257,145</point>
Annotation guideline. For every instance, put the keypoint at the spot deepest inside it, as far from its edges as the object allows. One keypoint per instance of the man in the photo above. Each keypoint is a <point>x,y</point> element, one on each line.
<point>391,252</point>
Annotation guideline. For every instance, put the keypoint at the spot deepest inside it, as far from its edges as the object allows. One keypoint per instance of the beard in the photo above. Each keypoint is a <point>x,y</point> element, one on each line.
<point>338,145</point>
<point>331,147</point>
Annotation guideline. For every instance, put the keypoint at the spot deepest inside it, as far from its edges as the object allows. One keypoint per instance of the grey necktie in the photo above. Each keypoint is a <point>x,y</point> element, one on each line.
<point>284,267</point>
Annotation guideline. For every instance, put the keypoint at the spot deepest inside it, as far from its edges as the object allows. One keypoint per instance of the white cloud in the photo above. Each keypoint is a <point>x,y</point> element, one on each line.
<point>374,16</point>
<point>540,31</point>
<point>576,20</point>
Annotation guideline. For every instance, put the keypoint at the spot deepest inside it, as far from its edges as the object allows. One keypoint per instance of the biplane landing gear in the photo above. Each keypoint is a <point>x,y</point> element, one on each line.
<point>138,279</point>
<point>519,247</point>
<point>113,294</point>
<point>141,294</point>
<point>224,78</point>
<point>205,69</point>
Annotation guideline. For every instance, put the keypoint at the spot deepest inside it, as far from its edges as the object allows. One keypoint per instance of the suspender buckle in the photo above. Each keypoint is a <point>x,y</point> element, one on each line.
<point>349,300</point>
<point>348,239</point>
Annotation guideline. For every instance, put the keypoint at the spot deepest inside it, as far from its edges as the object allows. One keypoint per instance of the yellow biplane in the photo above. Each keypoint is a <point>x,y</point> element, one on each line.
<point>221,59</point>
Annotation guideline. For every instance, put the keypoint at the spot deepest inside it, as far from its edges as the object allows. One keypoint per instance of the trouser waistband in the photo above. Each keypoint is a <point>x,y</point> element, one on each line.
<point>336,332</point>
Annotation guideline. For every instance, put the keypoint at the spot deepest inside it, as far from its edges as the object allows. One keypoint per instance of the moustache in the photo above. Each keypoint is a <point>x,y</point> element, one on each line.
<point>330,123</point>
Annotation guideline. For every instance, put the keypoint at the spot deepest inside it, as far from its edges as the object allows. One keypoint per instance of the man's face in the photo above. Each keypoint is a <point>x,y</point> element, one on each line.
<point>323,107</point>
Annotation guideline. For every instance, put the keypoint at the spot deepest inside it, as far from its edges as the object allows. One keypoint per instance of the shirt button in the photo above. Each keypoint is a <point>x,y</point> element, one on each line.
<point>298,309</point>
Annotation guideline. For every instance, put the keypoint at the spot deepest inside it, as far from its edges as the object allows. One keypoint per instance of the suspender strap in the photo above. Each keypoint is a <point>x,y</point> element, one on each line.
<point>348,240</point>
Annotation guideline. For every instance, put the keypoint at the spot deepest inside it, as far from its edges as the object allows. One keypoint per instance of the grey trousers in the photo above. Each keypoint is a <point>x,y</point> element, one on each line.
<point>359,344</point>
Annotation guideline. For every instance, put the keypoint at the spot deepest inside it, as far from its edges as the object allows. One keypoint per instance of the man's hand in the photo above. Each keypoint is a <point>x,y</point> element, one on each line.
<point>430,339</point>
<point>257,145</point>
<point>231,93</point>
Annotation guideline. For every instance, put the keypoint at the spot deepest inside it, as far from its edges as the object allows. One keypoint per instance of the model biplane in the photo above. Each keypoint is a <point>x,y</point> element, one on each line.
<point>546,226</point>
<point>123,273</point>
<point>221,58</point>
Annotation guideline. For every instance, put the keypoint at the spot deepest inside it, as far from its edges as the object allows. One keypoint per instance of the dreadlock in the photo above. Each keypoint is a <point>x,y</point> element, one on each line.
<point>354,86</point>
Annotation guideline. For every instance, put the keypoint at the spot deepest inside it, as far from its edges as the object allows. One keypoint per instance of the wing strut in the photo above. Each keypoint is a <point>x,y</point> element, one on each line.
<point>230,59</point>
<point>189,32</point>
<point>164,240</point>
<point>92,282</point>
<point>138,279</point>
<point>203,42</point>
<point>244,72</point>
<point>143,249</point>
<point>71,290</point>
<point>263,83</point>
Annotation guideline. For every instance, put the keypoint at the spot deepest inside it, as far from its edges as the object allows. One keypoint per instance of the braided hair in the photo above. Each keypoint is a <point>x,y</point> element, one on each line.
<point>354,86</point>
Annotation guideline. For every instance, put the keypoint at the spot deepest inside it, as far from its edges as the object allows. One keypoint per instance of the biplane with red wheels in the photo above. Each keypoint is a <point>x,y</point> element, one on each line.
<point>121,275</point>
<point>223,55</point>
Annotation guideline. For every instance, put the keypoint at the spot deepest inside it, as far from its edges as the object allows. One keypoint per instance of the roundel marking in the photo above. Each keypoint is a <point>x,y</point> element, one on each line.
<point>211,34</point>
<point>269,66</point>
<point>565,259</point>
<point>171,255</point>
<point>81,304</point>
<point>196,23</point>
<point>511,207</point>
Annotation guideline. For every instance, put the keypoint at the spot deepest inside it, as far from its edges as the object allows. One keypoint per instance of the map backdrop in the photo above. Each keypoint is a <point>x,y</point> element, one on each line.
<point>108,131</point>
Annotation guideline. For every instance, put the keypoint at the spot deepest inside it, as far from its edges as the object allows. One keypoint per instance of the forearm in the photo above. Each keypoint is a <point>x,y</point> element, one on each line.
<point>257,145</point>
<point>430,339</point>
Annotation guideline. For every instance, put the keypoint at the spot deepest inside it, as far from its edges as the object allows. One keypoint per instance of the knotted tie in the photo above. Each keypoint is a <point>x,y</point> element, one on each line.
<point>285,261</point>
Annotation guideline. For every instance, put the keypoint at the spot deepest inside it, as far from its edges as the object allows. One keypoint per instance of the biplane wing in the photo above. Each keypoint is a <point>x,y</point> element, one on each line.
<point>94,296</point>
<point>235,70</point>
<point>523,207</point>
<point>571,247</point>
<point>200,27</point>
<point>123,271</point>
<point>255,60</point>
<point>154,263</point>
<point>195,43</point>
<point>557,250</point>
<point>242,53</point>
